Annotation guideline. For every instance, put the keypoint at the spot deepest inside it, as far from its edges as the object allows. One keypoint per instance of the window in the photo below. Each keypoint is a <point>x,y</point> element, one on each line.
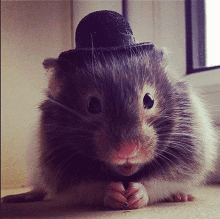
<point>202,35</point>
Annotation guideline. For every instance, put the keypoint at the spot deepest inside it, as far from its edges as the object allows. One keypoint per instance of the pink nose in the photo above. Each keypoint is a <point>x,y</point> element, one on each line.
<point>128,150</point>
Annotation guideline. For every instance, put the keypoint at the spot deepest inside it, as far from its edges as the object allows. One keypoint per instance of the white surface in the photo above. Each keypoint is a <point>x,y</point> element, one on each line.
<point>206,206</point>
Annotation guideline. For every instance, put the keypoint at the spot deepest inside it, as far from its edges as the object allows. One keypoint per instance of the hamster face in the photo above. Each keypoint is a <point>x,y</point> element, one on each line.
<point>126,149</point>
<point>117,115</point>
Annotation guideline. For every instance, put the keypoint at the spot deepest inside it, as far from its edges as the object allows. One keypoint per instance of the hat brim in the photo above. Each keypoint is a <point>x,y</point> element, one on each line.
<point>84,55</point>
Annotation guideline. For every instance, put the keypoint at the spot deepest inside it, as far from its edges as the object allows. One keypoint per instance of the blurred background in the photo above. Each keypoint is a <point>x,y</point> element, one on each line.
<point>35,30</point>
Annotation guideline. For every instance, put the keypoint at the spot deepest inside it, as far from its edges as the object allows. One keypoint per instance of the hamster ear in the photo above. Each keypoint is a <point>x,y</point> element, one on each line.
<point>50,63</point>
<point>162,56</point>
<point>54,82</point>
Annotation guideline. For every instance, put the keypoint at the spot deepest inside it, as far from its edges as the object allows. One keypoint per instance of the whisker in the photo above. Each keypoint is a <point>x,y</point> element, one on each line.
<point>158,164</point>
<point>64,148</point>
<point>161,155</point>
<point>70,110</point>
<point>50,157</point>
<point>166,161</point>
<point>77,132</point>
<point>176,134</point>
<point>61,149</point>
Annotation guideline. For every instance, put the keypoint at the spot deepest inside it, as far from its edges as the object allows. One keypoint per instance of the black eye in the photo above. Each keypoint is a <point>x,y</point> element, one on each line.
<point>94,105</point>
<point>148,101</point>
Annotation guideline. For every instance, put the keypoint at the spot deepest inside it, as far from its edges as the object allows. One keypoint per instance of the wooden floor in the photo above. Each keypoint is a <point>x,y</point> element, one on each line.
<point>206,206</point>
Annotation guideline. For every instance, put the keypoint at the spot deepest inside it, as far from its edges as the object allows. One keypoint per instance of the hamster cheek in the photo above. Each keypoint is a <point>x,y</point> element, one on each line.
<point>101,145</point>
<point>150,141</point>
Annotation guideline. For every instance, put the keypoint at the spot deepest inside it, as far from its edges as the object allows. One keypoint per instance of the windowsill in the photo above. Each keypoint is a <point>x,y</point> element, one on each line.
<point>204,82</point>
<point>208,84</point>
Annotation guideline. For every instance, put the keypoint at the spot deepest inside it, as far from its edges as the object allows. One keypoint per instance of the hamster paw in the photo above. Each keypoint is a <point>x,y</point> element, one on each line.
<point>115,196</point>
<point>137,196</point>
<point>31,196</point>
<point>181,198</point>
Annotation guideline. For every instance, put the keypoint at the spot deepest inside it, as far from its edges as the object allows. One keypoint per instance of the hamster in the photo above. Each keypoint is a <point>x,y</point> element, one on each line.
<point>120,131</point>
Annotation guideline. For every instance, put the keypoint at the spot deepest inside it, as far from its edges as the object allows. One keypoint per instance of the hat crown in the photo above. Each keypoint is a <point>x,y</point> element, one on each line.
<point>103,29</point>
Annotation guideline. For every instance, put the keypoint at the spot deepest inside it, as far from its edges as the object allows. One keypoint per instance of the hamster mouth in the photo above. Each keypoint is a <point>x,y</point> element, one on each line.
<point>127,169</point>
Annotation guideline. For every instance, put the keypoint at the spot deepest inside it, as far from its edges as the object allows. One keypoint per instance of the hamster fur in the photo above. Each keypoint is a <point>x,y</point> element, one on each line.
<point>121,120</point>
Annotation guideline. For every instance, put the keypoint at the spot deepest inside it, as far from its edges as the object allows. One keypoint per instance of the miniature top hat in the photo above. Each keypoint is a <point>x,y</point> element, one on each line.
<point>103,31</point>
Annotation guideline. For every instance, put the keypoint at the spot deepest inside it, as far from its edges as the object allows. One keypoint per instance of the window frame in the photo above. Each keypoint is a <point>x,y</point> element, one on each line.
<point>191,50</point>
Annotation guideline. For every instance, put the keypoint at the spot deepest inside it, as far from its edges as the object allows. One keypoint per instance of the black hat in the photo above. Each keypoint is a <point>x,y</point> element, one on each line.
<point>103,32</point>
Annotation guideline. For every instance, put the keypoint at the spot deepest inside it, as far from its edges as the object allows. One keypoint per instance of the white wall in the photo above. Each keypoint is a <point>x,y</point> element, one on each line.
<point>163,23</point>
<point>31,32</point>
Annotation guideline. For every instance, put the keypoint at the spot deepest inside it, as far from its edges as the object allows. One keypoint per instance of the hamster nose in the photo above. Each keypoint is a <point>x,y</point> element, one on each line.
<point>128,150</point>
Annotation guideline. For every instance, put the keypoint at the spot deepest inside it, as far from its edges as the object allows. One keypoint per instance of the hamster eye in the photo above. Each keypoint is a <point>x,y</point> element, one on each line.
<point>94,105</point>
<point>148,101</point>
